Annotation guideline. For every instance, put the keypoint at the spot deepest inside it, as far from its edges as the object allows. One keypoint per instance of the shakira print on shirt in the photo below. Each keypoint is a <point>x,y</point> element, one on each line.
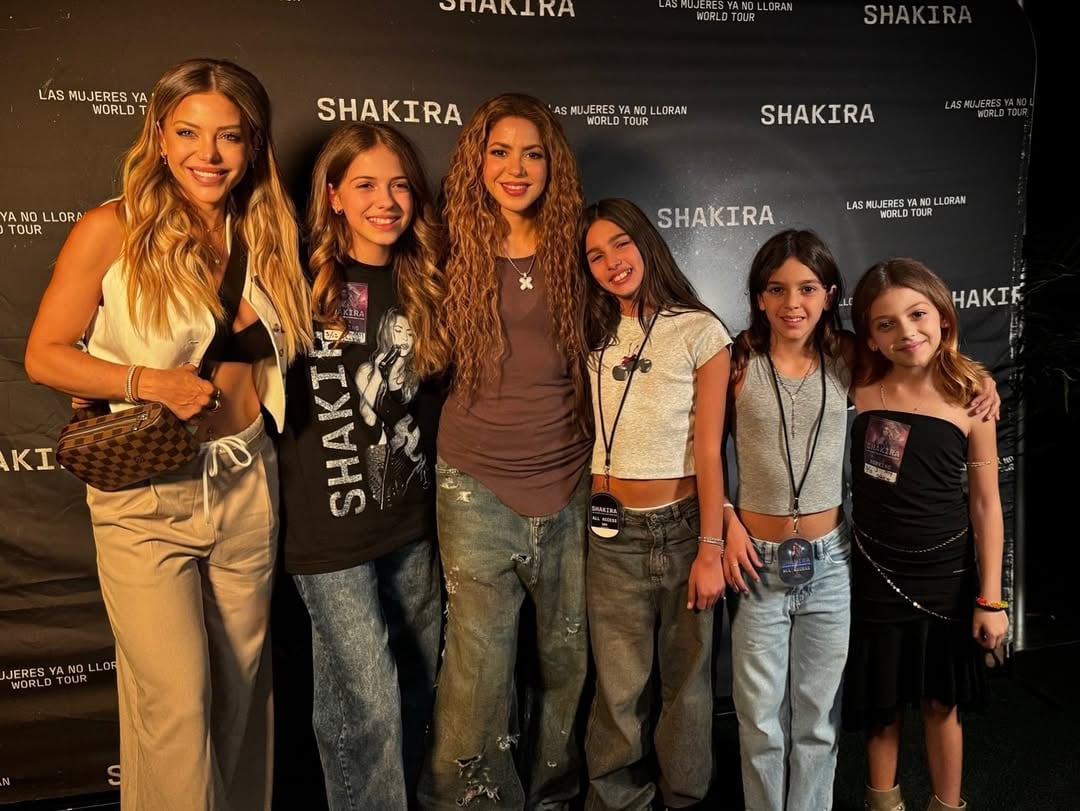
<point>386,382</point>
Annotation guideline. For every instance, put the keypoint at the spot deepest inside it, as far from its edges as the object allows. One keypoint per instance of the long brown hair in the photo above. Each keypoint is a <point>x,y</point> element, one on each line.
<point>809,249</point>
<point>663,285</point>
<point>477,229</point>
<point>167,251</point>
<point>416,253</point>
<point>956,375</point>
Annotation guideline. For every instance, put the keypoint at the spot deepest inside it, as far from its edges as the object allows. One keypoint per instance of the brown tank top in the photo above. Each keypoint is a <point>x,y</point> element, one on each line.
<point>518,434</point>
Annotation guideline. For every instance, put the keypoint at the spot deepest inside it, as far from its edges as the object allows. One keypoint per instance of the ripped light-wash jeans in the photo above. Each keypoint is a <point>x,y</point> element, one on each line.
<point>788,650</point>
<point>493,560</point>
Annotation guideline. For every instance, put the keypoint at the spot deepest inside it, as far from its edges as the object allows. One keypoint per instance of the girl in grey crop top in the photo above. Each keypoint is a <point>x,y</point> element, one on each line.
<point>757,440</point>
<point>791,373</point>
<point>789,419</point>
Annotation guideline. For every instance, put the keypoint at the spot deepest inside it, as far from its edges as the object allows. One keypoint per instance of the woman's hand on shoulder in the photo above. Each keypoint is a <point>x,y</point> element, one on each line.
<point>706,583</point>
<point>989,628</point>
<point>987,403</point>
<point>180,390</point>
<point>739,557</point>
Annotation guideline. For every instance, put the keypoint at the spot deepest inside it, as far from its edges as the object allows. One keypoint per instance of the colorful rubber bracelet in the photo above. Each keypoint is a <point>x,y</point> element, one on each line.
<point>987,605</point>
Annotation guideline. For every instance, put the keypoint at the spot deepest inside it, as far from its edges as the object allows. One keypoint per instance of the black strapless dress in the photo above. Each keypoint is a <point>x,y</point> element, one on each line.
<point>914,578</point>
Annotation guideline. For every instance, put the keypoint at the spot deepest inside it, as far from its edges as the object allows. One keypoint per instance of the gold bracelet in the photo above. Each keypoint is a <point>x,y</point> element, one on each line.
<point>135,385</point>
<point>980,464</point>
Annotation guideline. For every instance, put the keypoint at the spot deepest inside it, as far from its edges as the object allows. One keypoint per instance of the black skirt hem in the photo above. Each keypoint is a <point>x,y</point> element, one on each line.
<point>895,664</point>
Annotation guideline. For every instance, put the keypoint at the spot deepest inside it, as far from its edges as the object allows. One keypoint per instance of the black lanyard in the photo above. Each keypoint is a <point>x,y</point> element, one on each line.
<point>787,446</point>
<point>610,441</point>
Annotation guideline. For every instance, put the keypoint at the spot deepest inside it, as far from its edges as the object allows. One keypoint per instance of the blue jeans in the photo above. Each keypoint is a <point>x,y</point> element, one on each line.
<point>788,649</point>
<point>638,621</point>
<point>375,647</point>
<point>493,558</point>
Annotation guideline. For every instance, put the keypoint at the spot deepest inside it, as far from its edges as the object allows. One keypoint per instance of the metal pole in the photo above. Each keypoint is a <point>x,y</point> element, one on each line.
<point>1019,580</point>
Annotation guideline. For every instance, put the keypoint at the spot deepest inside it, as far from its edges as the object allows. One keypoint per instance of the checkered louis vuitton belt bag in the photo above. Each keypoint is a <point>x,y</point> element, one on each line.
<point>113,451</point>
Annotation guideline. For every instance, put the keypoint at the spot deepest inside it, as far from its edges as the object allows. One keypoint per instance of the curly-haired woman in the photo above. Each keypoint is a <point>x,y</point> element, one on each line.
<point>513,446</point>
<point>186,559</point>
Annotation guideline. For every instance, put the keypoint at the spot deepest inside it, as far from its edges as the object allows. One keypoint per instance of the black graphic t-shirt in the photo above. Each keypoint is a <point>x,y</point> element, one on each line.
<point>357,453</point>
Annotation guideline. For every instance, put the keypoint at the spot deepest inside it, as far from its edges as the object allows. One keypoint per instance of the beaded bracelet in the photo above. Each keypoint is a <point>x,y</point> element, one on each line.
<point>713,542</point>
<point>128,396</point>
<point>988,605</point>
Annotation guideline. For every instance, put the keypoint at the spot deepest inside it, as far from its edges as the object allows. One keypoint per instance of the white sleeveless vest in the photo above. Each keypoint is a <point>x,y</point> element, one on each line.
<point>113,337</point>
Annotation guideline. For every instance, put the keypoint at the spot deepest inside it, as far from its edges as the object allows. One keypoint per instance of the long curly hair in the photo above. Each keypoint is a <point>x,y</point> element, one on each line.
<point>957,376</point>
<point>167,250</point>
<point>417,254</point>
<point>477,230</point>
<point>809,249</point>
<point>663,284</point>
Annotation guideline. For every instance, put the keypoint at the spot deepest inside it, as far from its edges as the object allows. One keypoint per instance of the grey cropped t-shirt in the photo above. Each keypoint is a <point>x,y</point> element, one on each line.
<point>760,452</point>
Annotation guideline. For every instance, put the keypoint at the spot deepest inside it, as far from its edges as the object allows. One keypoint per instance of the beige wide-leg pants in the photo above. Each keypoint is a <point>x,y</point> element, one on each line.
<point>186,564</point>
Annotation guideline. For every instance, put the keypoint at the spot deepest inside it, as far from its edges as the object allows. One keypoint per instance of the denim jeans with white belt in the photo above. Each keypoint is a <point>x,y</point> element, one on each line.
<point>639,625</point>
<point>788,650</point>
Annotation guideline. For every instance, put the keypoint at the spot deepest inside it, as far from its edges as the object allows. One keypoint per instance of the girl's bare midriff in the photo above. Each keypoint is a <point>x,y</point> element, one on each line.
<point>641,494</point>
<point>778,528</point>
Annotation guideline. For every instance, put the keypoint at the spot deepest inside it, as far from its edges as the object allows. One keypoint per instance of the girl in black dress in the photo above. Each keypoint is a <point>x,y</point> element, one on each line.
<point>926,594</point>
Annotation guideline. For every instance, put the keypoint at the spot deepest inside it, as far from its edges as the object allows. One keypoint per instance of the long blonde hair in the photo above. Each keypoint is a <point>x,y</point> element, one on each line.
<point>478,229</point>
<point>167,251</point>
<point>417,253</point>
<point>956,375</point>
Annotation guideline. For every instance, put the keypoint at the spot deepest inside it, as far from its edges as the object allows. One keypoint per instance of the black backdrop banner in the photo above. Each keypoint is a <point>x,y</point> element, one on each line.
<point>891,129</point>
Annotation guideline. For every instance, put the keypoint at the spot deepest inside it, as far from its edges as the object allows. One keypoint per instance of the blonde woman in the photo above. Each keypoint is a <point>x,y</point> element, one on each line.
<point>185,560</point>
<point>513,448</point>
<point>357,460</point>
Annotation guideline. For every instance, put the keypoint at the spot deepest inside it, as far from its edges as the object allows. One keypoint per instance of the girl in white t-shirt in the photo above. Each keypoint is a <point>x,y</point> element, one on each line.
<point>660,369</point>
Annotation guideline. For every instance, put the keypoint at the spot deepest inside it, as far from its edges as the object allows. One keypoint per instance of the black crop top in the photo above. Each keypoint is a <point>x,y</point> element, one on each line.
<point>253,342</point>
<point>250,344</point>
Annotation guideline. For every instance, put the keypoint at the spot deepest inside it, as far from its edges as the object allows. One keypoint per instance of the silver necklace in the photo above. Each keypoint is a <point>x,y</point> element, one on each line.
<point>793,394</point>
<point>525,279</point>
